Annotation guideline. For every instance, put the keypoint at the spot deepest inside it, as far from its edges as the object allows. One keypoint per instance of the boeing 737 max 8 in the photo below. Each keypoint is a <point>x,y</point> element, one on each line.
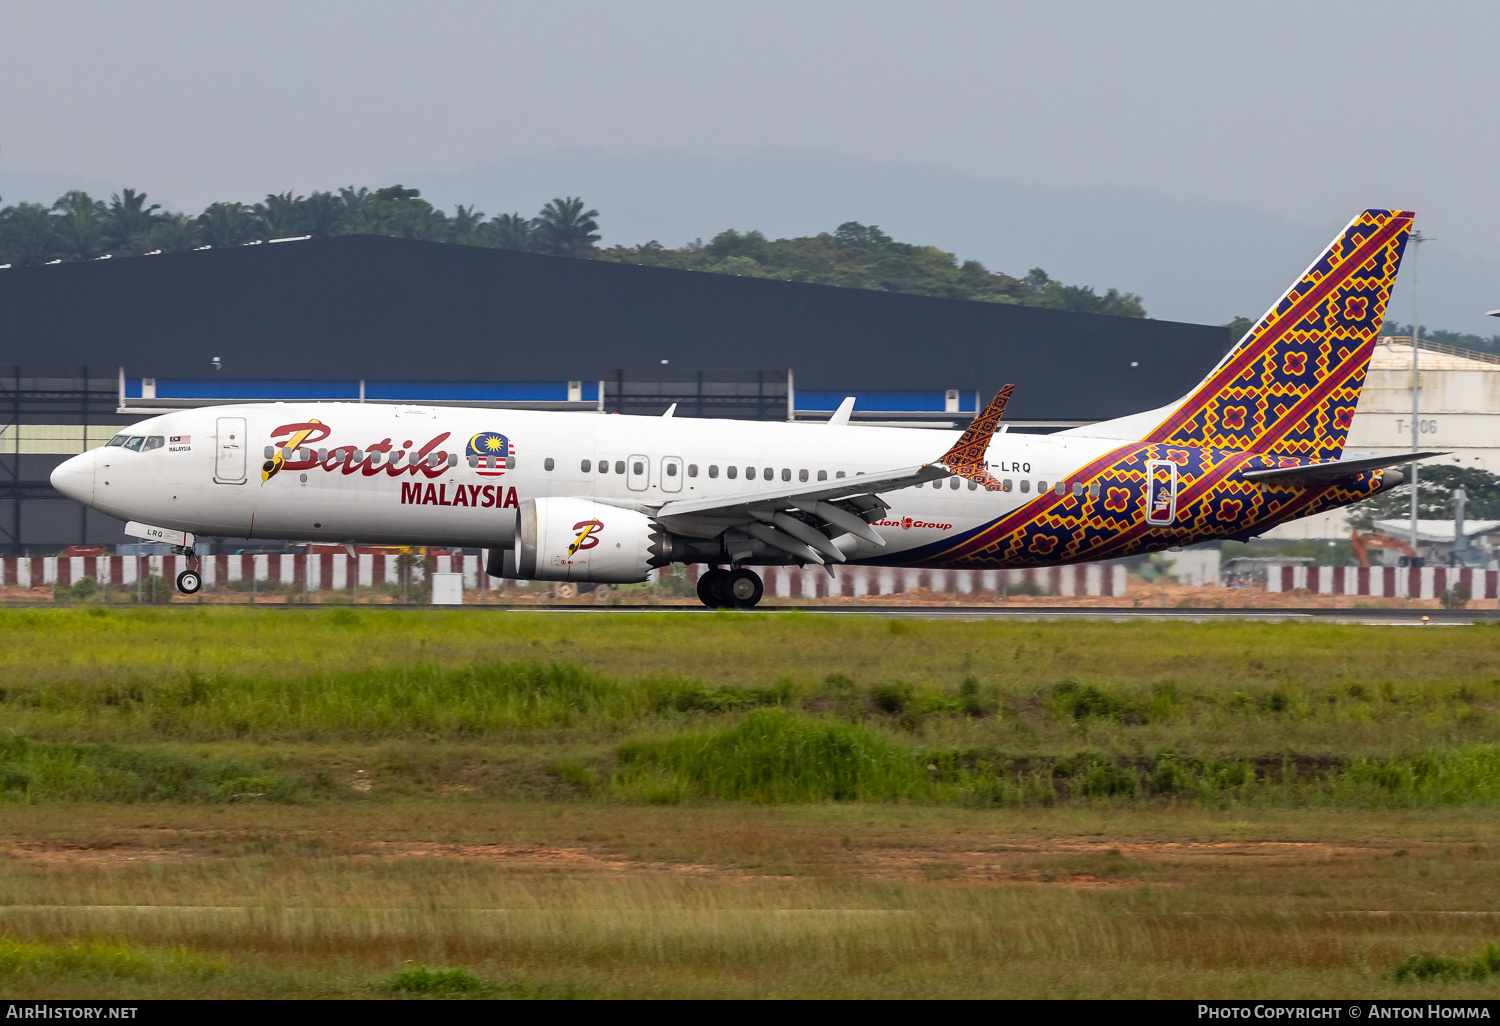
<point>583,497</point>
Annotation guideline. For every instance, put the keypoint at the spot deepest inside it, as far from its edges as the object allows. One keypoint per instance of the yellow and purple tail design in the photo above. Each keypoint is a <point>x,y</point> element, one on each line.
<point>966,457</point>
<point>1291,385</point>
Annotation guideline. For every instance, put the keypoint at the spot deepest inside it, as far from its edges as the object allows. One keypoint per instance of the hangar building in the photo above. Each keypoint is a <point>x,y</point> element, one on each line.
<point>86,348</point>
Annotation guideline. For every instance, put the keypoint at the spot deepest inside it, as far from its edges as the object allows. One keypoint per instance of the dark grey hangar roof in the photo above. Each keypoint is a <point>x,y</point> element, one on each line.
<point>368,307</point>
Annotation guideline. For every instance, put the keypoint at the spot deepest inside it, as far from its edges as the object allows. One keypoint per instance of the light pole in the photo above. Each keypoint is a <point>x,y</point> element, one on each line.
<point>1417,238</point>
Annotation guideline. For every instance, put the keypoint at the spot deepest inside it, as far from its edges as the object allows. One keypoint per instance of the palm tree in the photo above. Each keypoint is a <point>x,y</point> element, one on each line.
<point>511,231</point>
<point>281,215</point>
<point>226,224</point>
<point>174,233</point>
<point>79,228</point>
<point>26,234</point>
<point>323,214</point>
<point>355,201</point>
<point>127,228</point>
<point>564,228</point>
<point>466,225</point>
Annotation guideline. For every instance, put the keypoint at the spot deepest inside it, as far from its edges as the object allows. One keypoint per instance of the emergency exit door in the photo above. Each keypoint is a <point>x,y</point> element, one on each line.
<point>637,473</point>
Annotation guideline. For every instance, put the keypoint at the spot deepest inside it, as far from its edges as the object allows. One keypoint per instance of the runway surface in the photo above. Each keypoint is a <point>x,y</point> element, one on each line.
<point>1378,617</point>
<point>1374,617</point>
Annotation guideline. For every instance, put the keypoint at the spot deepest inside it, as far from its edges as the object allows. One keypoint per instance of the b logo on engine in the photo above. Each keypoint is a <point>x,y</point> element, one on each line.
<point>588,536</point>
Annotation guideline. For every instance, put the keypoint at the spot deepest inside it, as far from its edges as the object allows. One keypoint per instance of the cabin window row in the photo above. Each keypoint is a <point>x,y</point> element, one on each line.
<point>1078,488</point>
<point>731,472</point>
<point>692,470</point>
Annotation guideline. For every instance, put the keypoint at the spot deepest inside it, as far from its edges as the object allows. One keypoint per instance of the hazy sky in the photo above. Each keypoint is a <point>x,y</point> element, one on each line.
<point>1304,111</point>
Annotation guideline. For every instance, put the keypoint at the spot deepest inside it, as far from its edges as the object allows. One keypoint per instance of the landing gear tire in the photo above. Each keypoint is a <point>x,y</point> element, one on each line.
<point>744,588</point>
<point>188,582</point>
<point>711,588</point>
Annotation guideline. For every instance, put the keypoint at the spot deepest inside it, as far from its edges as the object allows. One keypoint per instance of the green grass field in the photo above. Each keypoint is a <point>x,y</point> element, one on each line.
<point>369,802</point>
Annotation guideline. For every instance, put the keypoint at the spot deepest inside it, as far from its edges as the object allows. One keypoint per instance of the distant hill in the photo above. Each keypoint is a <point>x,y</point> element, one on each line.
<point>863,257</point>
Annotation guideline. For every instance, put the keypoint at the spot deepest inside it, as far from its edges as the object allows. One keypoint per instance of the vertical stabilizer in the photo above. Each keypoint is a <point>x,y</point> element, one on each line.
<point>1291,385</point>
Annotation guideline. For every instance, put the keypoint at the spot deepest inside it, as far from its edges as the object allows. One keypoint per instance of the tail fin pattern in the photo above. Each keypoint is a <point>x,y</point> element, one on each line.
<point>1291,385</point>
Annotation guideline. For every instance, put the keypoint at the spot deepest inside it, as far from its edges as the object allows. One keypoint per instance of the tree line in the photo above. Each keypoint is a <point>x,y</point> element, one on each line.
<point>79,227</point>
<point>1436,483</point>
<point>1460,340</point>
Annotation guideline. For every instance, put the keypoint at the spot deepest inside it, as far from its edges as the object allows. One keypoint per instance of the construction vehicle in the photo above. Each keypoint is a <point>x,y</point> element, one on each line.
<point>1363,541</point>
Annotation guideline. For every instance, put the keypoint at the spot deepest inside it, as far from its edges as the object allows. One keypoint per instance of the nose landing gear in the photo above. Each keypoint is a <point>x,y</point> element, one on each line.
<point>730,589</point>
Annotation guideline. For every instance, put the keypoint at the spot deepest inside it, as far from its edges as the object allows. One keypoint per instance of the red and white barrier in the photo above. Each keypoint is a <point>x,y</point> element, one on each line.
<point>316,572</point>
<point>323,571</point>
<point>1093,579</point>
<point>1416,582</point>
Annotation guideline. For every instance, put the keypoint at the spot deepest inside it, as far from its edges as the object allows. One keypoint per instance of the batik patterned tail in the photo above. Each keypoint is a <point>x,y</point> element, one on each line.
<point>966,457</point>
<point>1291,385</point>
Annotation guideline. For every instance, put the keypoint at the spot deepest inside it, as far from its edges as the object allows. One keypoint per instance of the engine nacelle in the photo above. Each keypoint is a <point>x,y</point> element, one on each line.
<point>567,539</point>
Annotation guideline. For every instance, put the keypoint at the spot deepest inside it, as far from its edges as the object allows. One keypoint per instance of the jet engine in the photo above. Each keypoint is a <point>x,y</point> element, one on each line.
<point>567,539</point>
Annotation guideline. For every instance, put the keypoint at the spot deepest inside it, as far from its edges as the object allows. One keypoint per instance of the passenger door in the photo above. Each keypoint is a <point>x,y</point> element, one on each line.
<point>230,445</point>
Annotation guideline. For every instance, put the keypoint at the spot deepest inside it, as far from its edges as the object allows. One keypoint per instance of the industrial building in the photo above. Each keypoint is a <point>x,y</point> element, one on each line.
<point>86,348</point>
<point>1458,403</point>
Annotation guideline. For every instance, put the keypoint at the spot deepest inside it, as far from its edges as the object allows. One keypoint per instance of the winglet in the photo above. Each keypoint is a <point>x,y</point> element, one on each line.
<point>841,415</point>
<point>966,458</point>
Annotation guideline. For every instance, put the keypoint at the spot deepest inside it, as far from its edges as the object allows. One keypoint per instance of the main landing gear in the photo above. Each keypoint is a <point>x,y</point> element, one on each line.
<point>191,579</point>
<point>730,589</point>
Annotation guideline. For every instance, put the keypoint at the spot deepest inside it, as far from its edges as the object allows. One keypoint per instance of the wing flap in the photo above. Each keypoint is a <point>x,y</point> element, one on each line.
<point>830,508</point>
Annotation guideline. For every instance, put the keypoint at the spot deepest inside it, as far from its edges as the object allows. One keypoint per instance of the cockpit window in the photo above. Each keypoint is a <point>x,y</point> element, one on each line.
<point>153,442</point>
<point>133,443</point>
<point>117,440</point>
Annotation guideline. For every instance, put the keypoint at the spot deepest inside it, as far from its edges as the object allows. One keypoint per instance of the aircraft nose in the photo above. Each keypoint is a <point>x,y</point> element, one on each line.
<point>74,477</point>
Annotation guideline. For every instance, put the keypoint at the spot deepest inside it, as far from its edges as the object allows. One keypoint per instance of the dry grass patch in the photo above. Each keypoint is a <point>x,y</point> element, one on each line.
<point>852,900</point>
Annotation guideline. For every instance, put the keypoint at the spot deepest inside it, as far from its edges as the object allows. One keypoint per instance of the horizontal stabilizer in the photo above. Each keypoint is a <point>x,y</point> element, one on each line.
<point>1336,468</point>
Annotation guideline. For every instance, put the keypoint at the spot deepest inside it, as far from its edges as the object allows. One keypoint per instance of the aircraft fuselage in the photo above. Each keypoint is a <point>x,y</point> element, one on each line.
<point>405,475</point>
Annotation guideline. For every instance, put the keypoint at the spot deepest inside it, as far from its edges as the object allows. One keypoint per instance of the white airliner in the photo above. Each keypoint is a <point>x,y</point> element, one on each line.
<point>585,497</point>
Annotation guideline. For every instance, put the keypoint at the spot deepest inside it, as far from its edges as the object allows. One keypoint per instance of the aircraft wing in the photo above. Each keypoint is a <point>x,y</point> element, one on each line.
<point>799,519</point>
<point>1335,468</point>
<point>803,520</point>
